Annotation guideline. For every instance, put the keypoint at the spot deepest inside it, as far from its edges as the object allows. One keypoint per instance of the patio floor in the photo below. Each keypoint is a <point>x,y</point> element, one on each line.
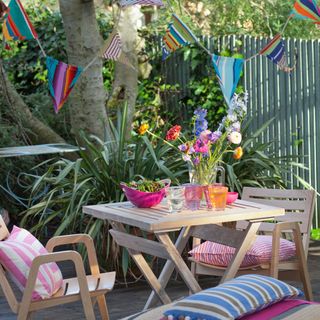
<point>123,301</point>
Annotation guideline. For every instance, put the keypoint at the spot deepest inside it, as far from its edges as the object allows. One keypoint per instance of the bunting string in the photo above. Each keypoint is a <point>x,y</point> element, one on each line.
<point>63,77</point>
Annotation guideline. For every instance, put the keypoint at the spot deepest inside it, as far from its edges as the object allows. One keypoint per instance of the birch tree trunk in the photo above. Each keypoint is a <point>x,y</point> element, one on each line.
<point>87,100</point>
<point>125,86</point>
<point>38,132</point>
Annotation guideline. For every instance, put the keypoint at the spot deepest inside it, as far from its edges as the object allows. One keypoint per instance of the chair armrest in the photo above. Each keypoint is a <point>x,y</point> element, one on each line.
<point>75,239</point>
<point>68,255</point>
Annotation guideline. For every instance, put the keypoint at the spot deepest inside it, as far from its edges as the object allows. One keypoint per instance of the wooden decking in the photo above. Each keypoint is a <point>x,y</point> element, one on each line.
<point>124,301</point>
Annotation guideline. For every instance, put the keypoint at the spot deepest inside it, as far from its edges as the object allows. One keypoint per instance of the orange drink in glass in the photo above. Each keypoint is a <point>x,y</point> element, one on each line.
<point>217,196</point>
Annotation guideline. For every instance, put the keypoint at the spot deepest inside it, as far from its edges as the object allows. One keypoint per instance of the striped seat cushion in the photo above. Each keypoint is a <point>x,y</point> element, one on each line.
<point>16,255</point>
<point>233,299</point>
<point>259,253</point>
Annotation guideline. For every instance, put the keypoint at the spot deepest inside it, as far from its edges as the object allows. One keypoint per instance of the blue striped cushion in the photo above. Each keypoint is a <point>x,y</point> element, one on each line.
<point>238,297</point>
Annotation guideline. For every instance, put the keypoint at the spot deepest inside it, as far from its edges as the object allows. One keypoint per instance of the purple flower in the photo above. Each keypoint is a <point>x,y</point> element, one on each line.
<point>214,136</point>
<point>200,113</point>
<point>236,126</point>
<point>201,124</point>
<point>191,150</point>
<point>183,147</point>
<point>196,161</point>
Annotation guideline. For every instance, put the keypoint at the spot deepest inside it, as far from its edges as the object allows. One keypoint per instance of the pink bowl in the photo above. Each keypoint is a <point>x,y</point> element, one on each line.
<point>144,199</point>
<point>232,197</point>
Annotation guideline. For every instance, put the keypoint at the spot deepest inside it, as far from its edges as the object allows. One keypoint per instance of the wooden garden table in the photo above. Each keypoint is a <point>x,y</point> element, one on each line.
<point>202,223</point>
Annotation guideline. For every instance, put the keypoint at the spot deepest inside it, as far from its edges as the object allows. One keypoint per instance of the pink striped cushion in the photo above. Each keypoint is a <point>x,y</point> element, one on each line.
<point>260,252</point>
<point>16,255</point>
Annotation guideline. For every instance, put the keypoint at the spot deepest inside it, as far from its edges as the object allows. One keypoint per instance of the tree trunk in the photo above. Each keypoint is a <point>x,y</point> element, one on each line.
<point>38,132</point>
<point>125,86</point>
<point>87,100</point>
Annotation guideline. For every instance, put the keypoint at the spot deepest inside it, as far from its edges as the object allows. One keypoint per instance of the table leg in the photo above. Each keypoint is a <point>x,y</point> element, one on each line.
<point>180,265</point>
<point>169,266</point>
<point>145,269</point>
<point>241,250</point>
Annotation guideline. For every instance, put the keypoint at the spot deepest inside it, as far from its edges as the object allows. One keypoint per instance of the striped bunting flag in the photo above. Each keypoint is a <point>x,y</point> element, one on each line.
<point>3,9</point>
<point>112,49</point>
<point>17,25</point>
<point>177,36</point>
<point>62,78</point>
<point>113,46</point>
<point>228,72</point>
<point>275,51</point>
<point>306,9</point>
<point>127,3</point>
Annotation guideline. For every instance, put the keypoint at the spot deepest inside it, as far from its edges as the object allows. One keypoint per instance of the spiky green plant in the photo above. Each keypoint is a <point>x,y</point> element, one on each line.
<point>259,167</point>
<point>95,178</point>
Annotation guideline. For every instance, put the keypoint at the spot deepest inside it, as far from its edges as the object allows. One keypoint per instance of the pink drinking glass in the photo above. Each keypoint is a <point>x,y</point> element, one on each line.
<point>193,195</point>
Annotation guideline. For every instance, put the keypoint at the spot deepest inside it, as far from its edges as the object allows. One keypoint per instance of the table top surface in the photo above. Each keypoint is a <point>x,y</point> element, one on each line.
<point>159,219</point>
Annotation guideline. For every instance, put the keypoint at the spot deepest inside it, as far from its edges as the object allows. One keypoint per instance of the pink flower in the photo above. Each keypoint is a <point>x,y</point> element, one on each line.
<point>201,147</point>
<point>205,136</point>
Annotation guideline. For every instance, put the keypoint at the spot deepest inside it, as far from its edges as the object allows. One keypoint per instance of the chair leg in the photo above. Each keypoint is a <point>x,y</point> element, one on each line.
<point>103,307</point>
<point>23,316</point>
<point>303,268</point>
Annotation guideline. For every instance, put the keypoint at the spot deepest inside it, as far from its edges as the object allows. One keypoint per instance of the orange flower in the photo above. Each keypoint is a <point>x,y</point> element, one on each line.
<point>143,129</point>
<point>238,153</point>
<point>173,133</point>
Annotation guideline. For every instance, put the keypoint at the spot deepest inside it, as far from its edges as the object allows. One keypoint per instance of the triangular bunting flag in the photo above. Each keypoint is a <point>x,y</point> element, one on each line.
<point>62,78</point>
<point>113,47</point>
<point>177,36</point>
<point>306,9</point>
<point>127,3</point>
<point>228,71</point>
<point>3,9</point>
<point>275,51</point>
<point>17,25</point>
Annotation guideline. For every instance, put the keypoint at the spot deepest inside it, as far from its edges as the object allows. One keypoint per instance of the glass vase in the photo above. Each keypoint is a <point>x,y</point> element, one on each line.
<point>205,175</point>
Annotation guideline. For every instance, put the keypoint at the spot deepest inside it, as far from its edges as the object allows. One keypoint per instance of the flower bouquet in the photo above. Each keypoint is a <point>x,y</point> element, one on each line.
<point>205,150</point>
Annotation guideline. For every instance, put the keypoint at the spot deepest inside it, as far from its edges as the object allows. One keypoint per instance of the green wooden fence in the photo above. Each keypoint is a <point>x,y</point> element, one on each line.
<point>292,99</point>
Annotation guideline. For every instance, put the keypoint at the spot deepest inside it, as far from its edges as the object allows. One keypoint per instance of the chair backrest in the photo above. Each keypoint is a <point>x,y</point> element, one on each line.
<point>298,205</point>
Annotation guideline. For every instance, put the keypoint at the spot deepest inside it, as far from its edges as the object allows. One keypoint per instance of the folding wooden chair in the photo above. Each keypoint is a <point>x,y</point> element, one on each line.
<point>87,288</point>
<point>296,223</point>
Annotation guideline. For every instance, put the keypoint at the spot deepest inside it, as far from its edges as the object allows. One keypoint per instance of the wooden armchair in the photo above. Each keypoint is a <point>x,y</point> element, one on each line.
<point>87,288</point>
<point>295,224</point>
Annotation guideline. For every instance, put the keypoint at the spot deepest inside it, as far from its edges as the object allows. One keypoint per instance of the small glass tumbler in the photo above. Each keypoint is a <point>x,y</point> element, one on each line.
<point>175,198</point>
<point>216,197</point>
<point>193,196</point>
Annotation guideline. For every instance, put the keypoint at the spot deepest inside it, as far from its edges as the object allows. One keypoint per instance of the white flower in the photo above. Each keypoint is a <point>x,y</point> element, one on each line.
<point>235,137</point>
<point>186,157</point>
